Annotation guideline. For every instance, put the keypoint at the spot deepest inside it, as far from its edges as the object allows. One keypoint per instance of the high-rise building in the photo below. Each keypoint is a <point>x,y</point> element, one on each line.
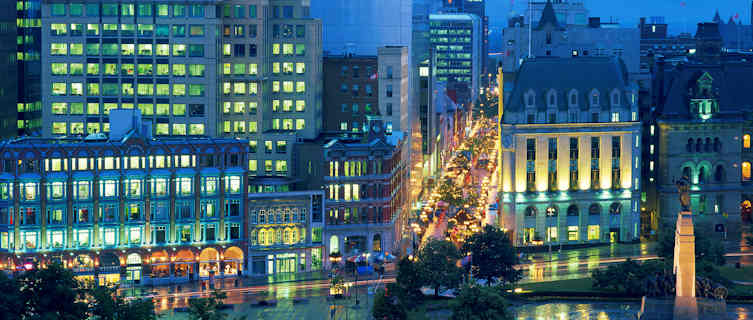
<point>456,42</point>
<point>9,68</point>
<point>351,93</point>
<point>571,153</point>
<point>477,7</point>
<point>247,69</point>
<point>28,58</point>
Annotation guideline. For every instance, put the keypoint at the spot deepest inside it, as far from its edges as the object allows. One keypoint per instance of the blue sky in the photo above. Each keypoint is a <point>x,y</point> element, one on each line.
<point>628,12</point>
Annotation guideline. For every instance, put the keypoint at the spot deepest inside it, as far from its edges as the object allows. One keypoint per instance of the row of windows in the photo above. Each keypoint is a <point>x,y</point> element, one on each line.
<point>80,128</point>
<point>128,69</point>
<point>279,216</point>
<point>95,108</point>
<point>239,69</point>
<point>281,146</point>
<point>127,89</point>
<point>698,145</point>
<point>356,127</point>
<point>277,124</point>
<point>271,167</point>
<point>354,168</point>
<point>127,29</point>
<point>130,10</point>
<point>126,49</point>
<point>241,88</point>
<point>277,236</point>
<point>289,49</point>
<point>594,209</point>
<point>239,30</point>
<point>109,236</point>
<point>529,235</point>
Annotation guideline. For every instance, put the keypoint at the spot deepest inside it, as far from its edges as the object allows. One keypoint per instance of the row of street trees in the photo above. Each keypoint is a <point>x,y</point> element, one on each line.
<point>53,293</point>
<point>437,266</point>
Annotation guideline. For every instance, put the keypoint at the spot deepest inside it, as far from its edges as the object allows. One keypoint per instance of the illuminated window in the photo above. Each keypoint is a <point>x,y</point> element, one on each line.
<point>746,171</point>
<point>593,232</point>
<point>572,233</point>
<point>746,141</point>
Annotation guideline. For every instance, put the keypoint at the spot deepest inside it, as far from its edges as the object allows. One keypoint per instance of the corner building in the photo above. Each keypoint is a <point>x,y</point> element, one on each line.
<point>570,153</point>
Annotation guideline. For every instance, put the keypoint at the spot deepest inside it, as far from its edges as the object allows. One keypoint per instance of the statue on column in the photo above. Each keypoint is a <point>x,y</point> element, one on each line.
<point>683,187</point>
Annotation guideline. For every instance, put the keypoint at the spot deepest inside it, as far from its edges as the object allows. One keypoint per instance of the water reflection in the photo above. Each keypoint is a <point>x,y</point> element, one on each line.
<point>600,311</point>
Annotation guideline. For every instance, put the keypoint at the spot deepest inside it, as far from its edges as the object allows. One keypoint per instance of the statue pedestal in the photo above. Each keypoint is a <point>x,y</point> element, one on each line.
<point>684,264</point>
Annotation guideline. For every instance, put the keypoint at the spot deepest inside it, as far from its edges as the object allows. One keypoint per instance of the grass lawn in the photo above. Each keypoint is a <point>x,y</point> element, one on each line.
<point>734,274</point>
<point>573,285</point>
<point>431,310</point>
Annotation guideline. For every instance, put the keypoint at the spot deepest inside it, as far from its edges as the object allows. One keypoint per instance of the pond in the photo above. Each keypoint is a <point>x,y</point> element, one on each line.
<point>587,310</point>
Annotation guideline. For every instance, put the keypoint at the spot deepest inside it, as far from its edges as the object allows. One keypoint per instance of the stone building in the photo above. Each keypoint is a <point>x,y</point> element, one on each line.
<point>571,153</point>
<point>702,131</point>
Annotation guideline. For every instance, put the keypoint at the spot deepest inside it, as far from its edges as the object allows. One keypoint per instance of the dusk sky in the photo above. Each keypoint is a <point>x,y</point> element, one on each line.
<point>628,12</point>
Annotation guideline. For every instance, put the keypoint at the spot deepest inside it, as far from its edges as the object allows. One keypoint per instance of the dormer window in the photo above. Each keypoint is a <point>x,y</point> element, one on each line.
<point>615,98</point>
<point>594,98</point>
<point>703,100</point>
<point>530,98</point>
<point>551,99</point>
<point>573,98</point>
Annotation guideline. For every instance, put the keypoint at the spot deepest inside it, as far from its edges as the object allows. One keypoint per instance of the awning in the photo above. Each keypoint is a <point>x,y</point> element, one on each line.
<point>160,173</point>
<point>185,172</point>
<point>210,172</point>
<point>109,174</point>
<point>83,175</point>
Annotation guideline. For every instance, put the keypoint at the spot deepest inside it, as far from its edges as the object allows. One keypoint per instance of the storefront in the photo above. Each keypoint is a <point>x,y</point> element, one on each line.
<point>160,267</point>
<point>184,266</point>
<point>232,262</point>
<point>133,269</point>
<point>108,272</point>
<point>83,267</point>
<point>209,263</point>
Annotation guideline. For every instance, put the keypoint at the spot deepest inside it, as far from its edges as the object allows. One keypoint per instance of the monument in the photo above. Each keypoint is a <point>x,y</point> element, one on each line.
<point>685,305</point>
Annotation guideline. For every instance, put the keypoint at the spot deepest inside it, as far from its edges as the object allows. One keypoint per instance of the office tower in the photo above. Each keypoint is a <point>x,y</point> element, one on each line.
<point>351,93</point>
<point>29,66</point>
<point>456,41</point>
<point>571,150</point>
<point>9,68</point>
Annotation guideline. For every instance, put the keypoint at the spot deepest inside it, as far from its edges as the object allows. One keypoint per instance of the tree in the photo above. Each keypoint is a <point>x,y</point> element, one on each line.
<point>450,192</point>
<point>437,262</point>
<point>207,308</point>
<point>628,277</point>
<point>479,303</point>
<point>107,305</point>
<point>493,257</point>
<point>707,249</point>
<point>52,293</point>
<point>12,304</point>
<point>409,281</point>
<point>387,305</point>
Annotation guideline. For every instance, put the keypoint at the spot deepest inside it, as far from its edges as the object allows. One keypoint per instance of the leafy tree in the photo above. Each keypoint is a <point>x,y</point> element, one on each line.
<point>450,192</point>
<point>388,306</point>
<point>409,281</point>
<point>12,304</point>
<point>479,303</point>
<point>52,293</point>
<point>437,261</point>
<point>493,256</point>
<point>628,277</point>
<point>207,308</point>
<point>707,247</point>
<point>107,305</point>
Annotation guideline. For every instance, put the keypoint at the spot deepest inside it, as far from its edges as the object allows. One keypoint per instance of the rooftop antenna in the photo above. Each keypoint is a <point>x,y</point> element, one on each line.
<point>530,23</point>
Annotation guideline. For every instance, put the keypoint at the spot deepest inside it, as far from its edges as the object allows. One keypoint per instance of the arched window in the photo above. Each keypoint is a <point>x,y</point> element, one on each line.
<point>551,211</point>
<point>594,209</point>
<point>615,208</point>
<point>573,98</point>
<point>686,172</point>
<point>572,210</point>
<point>702,174</point>
<point>746,141</point>
<point>262,239</point>
<point>746,171</point>
<point>252,237</point>
<point>719,173</point>
<point>698,145</point>
<point>334,244</point>
<point>717,145</point>
<point>530,99</point>
<point>530,211</point>
<point>689,146</point>
<point>708,145</point>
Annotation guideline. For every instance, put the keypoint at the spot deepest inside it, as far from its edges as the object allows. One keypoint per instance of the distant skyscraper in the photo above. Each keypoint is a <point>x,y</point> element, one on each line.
<point>29,45</point>
<point>360,27</point>
<point>9,69</point>
<point>456,43</point>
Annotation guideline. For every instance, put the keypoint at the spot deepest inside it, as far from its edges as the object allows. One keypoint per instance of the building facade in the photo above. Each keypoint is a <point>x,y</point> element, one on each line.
<point>28,61</point>
<point>130,209</point>
<point>351,92</point>
<point>364,183</point>
<point>8,67</point>
<point>702,132</point>
<point>571,154</point>
<point>456,41</point>
<point>394,90</point>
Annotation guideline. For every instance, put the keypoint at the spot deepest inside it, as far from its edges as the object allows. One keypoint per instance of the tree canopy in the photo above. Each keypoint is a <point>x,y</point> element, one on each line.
<point>438,262</point>
<point>493,257</point>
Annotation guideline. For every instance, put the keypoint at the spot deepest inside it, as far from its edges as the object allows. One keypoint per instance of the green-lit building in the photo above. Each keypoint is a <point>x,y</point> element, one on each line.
<point>456,42</point>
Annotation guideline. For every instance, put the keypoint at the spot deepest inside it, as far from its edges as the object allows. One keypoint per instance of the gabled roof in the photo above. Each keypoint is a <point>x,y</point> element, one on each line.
<point>730,81</point>
<point>548,17</point>
<point>717,18</point>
